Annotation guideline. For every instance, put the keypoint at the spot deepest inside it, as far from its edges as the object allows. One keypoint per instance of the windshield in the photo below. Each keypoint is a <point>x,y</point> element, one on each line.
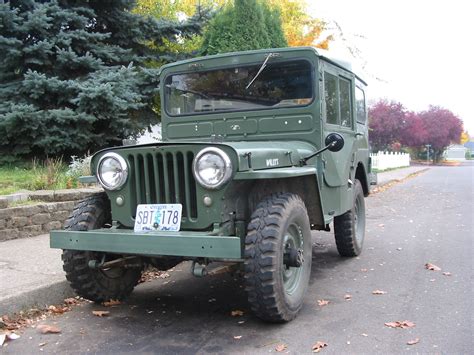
<point>283,84</point>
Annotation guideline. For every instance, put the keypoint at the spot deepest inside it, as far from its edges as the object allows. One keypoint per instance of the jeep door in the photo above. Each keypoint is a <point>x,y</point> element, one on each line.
<point>336,89</point>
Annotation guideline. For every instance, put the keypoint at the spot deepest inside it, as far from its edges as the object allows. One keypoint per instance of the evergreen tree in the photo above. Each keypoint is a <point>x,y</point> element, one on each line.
<point>274,26</point>
<point>72,76</point>
<point>243,25</point>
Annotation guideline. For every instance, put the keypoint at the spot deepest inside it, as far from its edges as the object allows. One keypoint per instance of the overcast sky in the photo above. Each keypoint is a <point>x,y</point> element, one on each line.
<point>417,52</point>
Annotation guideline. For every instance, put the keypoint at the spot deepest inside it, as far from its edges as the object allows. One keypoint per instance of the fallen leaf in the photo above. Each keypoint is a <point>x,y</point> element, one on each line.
<point>363,270</point>
<point>48,329</point>
<point>318,346</point>
<point>432,267</point>
<point>446,273</point>
<point>281,347</point>
<point>348,297</point>
<point>237,313</point>
<point>111,303</point>
<point>42,344</point>
<point>378,292</point>
<point>364,335</point>
<point>400,324</point>
<point>238,337</point>
<point>381,225</point>
<point>323,302</point>
<point>414,341</point>
<point>71,301</point>
<point>100,313</point>
<point>58,310</point>
<point>13,336</point>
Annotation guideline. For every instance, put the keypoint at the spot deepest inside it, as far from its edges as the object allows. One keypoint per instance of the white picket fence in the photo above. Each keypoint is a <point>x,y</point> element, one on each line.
<point>389,160</point>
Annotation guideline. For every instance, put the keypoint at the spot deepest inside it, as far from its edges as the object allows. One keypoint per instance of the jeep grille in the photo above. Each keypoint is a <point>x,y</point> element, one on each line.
<point>164,177</point>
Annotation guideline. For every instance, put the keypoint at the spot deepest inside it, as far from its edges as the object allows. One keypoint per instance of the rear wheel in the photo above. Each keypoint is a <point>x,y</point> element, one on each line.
<point>278,257</point>
<point>96,284</point>
<point>349,228</point>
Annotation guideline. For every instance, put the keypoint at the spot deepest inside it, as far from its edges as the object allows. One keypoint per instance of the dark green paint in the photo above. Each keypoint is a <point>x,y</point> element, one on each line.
<point>123,241</point>
<point>265,144</point>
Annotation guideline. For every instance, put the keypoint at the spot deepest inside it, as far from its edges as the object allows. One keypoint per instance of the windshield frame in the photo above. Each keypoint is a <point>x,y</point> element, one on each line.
<point>240,65</point>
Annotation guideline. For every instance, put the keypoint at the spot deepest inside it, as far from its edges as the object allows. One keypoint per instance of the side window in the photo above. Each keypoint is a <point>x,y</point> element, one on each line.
<point>360,105</point>
<point>345,100</point>
<point>338,99</point>
<point>331,98</point>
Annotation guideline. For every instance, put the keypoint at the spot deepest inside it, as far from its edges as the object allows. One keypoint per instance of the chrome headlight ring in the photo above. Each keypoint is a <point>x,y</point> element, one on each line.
<point>112,171</point>
<point>212,168</point>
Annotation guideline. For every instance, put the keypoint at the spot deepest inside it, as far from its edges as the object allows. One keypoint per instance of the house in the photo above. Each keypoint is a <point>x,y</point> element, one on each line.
<point>455,152</point>
<point>470,147</point>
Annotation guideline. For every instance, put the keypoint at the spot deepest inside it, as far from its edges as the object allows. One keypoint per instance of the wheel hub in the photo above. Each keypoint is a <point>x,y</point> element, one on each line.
<point>293,257</point>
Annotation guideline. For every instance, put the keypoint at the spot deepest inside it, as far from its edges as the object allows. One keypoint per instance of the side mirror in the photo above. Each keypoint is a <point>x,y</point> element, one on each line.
<point>334,142</point>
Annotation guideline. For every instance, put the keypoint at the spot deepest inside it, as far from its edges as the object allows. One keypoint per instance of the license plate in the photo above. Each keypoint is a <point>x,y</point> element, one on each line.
<point>161,217</point>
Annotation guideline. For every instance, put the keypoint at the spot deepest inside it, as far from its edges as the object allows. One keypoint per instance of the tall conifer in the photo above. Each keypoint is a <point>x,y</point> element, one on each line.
<point>72,75</point>
<point>244,25</point>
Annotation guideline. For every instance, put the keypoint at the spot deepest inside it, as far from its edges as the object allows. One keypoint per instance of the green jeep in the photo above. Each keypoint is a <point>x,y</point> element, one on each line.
<point>259,148</point>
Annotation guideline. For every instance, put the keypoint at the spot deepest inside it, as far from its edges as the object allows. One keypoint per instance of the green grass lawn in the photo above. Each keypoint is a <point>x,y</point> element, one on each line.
<point>50,175</point>
<point>15,179</point>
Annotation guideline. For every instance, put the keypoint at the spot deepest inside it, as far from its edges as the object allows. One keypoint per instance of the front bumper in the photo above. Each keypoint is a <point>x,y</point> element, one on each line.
<point>125,241</point>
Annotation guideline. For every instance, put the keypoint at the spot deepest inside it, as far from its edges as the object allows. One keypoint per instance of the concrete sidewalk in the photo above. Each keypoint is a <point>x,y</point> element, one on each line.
<point>31,274</point>
<point>384,178</point>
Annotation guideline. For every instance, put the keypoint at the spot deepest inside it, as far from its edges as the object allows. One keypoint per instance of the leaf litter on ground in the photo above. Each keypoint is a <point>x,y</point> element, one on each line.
<point>281,347</point>
<point>432,267</point>
<point>413,342</point>
<point>318,346</point>
<point>111,303</point>
<point>400,324</point>
<point>323,303</point>
<point>8,336</point>
<point>101,313</point>
<point>48,329</point>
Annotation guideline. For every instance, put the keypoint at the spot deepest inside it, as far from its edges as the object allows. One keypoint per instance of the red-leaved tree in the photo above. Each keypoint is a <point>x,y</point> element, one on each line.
<point>442,129</point>
<point>391,125</point>
<point>413,133</point>
<point>386,122</point>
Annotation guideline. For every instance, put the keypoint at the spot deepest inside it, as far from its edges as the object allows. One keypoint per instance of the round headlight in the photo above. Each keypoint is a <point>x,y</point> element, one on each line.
<point>112,171</point>
<point>212,168</point>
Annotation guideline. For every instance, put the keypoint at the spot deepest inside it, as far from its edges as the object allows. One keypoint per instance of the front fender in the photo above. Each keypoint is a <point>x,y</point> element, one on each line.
<point>279,173</point>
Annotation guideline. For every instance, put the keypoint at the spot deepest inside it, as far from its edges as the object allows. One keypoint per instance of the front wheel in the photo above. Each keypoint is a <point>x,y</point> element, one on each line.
<point>278,257</point>
<point>349,228</point>
<point>97,285</point>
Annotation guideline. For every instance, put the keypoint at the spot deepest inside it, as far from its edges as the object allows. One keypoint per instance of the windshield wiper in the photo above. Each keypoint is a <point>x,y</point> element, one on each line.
<point>264,64</point>
<point>197,93</point>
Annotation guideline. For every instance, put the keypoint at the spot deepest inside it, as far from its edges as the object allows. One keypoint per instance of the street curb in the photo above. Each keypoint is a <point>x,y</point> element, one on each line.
<point>392,181</point>
<point>39,298</point>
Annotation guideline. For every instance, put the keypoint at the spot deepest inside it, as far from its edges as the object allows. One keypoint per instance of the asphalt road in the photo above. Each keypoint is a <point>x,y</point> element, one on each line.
<point>426,219</point>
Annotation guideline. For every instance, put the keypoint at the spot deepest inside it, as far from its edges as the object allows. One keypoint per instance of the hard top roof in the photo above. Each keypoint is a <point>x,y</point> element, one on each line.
<point>325,55</point>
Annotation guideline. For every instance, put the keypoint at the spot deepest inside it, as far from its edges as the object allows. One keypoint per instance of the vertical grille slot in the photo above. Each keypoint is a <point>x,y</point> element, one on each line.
<point>164,177</point>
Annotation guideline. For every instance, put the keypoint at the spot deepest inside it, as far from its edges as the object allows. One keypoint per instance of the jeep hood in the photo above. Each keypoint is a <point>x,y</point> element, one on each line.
<point>254,155</point>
